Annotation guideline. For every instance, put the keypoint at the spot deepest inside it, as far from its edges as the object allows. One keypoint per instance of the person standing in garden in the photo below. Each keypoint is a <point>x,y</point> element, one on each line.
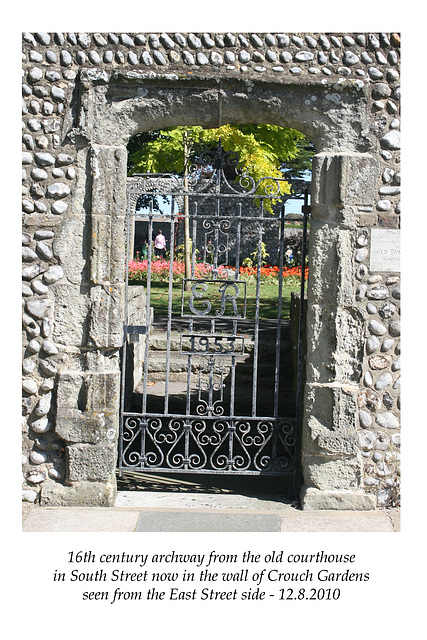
<point>160,244</point>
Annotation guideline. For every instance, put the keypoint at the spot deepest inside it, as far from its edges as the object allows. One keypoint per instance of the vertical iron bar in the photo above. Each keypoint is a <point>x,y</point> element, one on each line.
<point>236,277</point>
<point>238,239</point>
<point>215,271</point>
<point>300,367</point>
<point>230,444</point>
<point>124,351</point>
<point>188,398</point>
<point>279,312</point>
<point>193,241</point>
<point>169,322</point>
<point>143,425</point>
<point>256,327</point>
<point>190,324</point>
<point>186,443</point>
<point>147,307</point>
<point>211,384</point>
<point>216,238</point>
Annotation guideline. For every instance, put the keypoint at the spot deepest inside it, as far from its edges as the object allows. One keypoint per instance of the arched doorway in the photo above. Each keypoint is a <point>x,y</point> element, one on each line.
<point>345,177</point>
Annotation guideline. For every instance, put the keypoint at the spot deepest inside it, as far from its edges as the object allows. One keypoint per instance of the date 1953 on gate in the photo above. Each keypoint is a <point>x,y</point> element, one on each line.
<point>215,344</point>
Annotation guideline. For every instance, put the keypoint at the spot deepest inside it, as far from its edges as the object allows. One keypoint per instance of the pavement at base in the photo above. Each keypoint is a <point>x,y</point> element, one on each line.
<point>153,511</point>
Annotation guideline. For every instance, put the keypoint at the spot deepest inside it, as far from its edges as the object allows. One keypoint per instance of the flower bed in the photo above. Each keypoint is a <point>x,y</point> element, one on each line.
<point>269,273</point>
<point>160,270</point>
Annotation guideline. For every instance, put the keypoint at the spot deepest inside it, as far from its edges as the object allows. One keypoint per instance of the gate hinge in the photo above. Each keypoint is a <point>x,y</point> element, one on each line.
<point>130,329</point>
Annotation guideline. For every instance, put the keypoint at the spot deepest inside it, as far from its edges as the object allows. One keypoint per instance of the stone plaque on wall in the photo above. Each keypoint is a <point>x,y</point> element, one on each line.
<point>385,250</point>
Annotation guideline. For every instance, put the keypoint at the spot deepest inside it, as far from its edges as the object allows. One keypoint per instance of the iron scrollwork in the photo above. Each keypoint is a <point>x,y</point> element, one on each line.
<point>218,444</point>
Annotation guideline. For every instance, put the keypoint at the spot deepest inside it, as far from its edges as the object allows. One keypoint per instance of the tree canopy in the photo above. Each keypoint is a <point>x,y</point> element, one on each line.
<point>264,149</point>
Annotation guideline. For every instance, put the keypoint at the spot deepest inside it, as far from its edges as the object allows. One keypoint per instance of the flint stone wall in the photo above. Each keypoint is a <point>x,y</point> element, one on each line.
<point>84,96</point>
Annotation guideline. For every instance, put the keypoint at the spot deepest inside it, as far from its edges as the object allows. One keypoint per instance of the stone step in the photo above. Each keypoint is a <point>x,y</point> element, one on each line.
<point>178,361</point>
<point>265,382</point>
<point>244,371</point>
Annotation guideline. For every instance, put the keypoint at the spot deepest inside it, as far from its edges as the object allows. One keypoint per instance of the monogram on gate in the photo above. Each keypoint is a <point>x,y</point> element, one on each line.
<point>214,299</point>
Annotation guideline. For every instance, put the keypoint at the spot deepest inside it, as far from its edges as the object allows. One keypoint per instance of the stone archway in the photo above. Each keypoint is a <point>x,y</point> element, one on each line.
<point>113,109</point>
<point>85,95</point>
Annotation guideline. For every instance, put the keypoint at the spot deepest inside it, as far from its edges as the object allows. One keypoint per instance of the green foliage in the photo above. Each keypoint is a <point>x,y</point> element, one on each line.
<point>179,253</point>
<point>252,259</point>
<point>263,149</point>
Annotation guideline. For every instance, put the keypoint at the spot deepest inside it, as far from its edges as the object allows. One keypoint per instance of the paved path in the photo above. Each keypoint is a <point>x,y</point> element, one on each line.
<point>156,511</point>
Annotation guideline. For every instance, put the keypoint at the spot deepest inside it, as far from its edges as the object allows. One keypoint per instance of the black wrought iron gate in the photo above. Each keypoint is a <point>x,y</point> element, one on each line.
<point>214,395</point>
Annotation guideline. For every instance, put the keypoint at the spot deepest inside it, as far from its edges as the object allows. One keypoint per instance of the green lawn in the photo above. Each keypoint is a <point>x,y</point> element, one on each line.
<point>268,299</point>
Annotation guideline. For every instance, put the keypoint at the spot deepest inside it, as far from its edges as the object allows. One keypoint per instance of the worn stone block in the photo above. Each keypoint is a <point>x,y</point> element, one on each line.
<point>72,305</point>
<point>346,272</point>
<point>321,340</point>
<point>88,407</point>
<point>108,172</point>
<point>80,494</point>
<point>90,462</point>
<point>108,208</point>
<point>107,249</point>
<point>331,252</point>
<point>346,217</point>
<point>69,247</point>
<point>359,179</point>
<point>344,179</point>
<point>106,316</point>
<point>316,499</point>
<point>330,415</point>
<point>326,178</point>
<point>335,344</point>
<point>348,355</point>
<point>323,262</point>
<point>325,474</point>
